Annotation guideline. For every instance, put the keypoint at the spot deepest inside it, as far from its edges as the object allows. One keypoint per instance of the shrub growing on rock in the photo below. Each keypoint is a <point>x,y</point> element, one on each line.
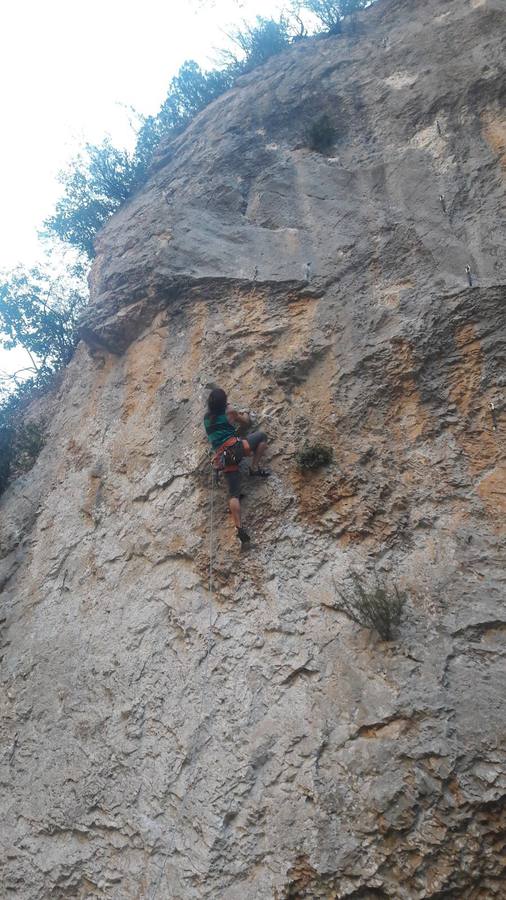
<point>314,456</point>
<point>321,134</point>
<point>331,12</point>
<point>257,43</point>
<point>373,606</point>
<point>20,441</point>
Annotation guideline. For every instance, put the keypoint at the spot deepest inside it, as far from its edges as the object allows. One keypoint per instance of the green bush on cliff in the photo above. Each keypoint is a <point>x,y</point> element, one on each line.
<point>330,13</point>
<point>373,606</point>
<point>20,441</point>
<point>257,43</point>
<point>190,91</point>
<point>314,456</point>
<point>95,184</point>
<point>39,311</point>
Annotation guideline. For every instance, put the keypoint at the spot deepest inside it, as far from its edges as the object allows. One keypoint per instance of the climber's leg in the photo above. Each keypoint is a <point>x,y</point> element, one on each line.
<point>258,445</point>
<point>259,452</point>
<point>233,480</point>
<point>234,505</point>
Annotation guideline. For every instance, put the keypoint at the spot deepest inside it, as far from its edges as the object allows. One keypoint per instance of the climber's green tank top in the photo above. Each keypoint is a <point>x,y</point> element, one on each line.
<point>218,430</point>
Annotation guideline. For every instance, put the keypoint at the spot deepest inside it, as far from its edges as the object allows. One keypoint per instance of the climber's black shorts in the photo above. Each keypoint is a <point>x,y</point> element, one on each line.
<point>233,479</point>
<point>256,438</point>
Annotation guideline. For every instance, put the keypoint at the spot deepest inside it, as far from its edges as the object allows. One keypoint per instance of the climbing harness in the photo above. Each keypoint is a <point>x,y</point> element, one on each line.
<point>229,455</point>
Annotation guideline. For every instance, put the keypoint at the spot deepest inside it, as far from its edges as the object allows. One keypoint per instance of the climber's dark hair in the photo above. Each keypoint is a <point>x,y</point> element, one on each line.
<point>216,402</point>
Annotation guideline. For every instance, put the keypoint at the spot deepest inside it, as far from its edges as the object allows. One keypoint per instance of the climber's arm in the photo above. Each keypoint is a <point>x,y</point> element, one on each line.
<point>238,418</point>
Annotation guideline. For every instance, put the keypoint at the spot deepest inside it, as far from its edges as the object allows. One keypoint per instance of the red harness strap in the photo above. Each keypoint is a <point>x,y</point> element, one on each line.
<point>229,443</point>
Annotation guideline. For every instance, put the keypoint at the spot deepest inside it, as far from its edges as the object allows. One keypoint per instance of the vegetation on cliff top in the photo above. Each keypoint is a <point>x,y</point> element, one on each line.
<point>38,311</point>
<point>102,177</point>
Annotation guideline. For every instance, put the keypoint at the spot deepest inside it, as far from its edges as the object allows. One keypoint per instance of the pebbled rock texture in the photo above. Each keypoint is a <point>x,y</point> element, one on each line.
<point>161,740</point>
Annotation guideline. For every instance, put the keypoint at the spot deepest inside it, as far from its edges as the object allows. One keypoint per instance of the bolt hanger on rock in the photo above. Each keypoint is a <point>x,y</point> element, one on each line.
<point>307,271</point>
<point>442,202</point>
<point>438,126</point>
<point>493,414</point>
<point>469,276</point>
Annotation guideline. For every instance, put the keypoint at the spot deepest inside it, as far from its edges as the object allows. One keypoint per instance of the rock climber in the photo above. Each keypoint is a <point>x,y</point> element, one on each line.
<point>222,423</point>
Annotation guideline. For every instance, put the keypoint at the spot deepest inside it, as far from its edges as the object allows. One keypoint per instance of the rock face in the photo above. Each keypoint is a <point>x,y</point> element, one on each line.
<point>161,739</point>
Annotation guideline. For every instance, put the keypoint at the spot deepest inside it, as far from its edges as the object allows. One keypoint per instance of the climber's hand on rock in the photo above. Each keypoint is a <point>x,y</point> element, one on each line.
<point>238,418</point>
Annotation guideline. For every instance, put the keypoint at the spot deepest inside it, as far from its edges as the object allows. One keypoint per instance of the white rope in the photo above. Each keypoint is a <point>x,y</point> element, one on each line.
<point>208,649</point>
<point>210,593</point>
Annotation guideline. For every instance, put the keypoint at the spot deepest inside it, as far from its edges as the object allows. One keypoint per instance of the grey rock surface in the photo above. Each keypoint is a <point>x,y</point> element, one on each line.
<point>161,739</point>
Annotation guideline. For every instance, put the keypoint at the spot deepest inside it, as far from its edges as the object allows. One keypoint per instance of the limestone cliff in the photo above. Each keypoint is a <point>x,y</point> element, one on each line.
<point>159,740</point>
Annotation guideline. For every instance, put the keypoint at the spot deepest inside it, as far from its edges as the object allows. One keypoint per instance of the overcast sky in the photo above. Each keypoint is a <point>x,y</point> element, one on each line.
<point>70,71</point>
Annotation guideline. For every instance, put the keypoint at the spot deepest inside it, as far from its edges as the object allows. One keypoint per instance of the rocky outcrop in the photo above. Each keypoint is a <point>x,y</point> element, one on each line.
<point>179,730</point>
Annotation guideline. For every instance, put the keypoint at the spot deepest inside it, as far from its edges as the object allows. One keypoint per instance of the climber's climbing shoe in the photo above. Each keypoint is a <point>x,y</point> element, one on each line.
<point>260,473</point>
<point>243,536</point>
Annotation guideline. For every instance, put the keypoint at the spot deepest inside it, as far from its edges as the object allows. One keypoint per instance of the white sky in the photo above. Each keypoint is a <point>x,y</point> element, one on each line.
<point>67,72</point>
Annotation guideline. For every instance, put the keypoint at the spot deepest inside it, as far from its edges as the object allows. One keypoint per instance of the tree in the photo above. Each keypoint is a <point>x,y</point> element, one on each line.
<point>39,312</point>
<point>190,91</point>
<point>331,12</point>
<point>99,180</point>
<point>257,43</point>
<point>95,184</point>
<point>20,440</point>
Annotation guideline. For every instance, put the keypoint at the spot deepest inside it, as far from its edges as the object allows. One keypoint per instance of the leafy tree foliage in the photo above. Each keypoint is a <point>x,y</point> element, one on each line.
<point>39,312</point>
<point>95,184</point>
<point>257,43</point>
<point>190,91</point>
<point>331,12</point>
<point>20,441</point>
<point>102,177</point>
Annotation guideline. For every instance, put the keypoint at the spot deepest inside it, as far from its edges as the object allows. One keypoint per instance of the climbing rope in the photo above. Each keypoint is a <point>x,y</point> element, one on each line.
<point>208,649</point>
<point>210,593</point>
